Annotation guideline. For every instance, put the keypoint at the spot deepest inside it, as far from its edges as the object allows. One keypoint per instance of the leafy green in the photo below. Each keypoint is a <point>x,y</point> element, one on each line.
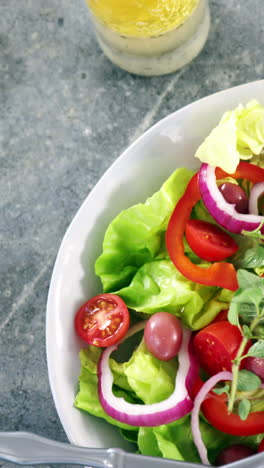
<point>247,305</point>
<point>246,331</point>
<point>244,409</point>
<point>149,378</point>
<point>239,135</point>
<point>135,264</point>
<point>136,235</point>
<point>252,258</point>
<point>257,350</point>
<point>175,440</point>
<point>248,280</point>
<point>247,381</point>
<point>87,396</point>
<point>142,378</point>
<point>159,286</point>
<point>221,390</point>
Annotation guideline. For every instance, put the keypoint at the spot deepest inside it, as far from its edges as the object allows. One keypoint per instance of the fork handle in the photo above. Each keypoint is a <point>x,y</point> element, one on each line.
<point>25,448</point>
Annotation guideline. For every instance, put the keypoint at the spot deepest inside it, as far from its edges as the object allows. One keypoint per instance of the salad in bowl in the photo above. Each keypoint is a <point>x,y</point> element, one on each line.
<point>130,218</point>
<point>173,340</point>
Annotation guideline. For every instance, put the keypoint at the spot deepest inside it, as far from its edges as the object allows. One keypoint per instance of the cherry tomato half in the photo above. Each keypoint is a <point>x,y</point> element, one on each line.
<point>209,241</point>
<point>221,316</point>
<point>217,345</point>
<point>214,408</point>
<point>103,320</point>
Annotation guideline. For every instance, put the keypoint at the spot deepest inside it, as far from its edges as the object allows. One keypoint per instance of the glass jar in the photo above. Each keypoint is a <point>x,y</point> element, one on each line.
<point>150,37</point>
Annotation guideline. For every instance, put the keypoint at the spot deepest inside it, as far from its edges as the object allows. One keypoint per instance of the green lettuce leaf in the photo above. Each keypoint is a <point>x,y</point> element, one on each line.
<point>87,396</point>
<point>141,379</point>
<point>239,135</point>
<point>150,379</point>
<point>136,235</point>
<point>175,440</point>
<point>136,266</point>
<point>159,286</point>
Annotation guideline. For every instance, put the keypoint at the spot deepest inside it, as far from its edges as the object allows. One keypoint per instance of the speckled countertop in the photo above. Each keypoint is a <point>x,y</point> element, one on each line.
<point>66,113</point>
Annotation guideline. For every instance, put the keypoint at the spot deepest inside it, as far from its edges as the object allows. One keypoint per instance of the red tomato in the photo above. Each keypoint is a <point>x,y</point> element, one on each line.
<point>261,446</point>
<point>103,320</point>
<point>221,316</point>
<point>217,345</point>
<point>209,241</point>
<point>214,408</point>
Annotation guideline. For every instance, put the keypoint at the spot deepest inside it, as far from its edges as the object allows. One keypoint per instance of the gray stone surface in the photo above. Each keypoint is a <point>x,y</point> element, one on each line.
<point>66,113</point>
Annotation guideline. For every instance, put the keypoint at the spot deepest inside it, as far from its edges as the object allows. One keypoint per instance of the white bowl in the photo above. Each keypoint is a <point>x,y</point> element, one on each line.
<point>136,174</point>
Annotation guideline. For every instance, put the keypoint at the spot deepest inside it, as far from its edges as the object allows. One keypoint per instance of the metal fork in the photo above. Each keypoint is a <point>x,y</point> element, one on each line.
<point>25,448</point>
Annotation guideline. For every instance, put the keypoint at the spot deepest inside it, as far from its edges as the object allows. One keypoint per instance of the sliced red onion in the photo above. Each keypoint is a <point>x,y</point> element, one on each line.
<point>224,213</point>
<point>256,191</point>
<point>197,438</point>
<point>177,405</point>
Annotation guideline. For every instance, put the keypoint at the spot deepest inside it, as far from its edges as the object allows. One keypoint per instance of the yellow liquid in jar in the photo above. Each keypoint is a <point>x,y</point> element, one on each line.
<point>142,18</point>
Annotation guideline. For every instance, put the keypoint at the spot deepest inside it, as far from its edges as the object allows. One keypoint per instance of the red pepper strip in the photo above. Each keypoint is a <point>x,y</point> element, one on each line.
<point>244,170</point>
<point>214,408</point>
<point>217,274</point>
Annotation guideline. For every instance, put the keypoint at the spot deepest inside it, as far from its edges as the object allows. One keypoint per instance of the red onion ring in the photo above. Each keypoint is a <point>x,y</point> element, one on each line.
<point>197,437</point>
<point>224,213</point>
<point>177,405</point>
<point>256,191</point>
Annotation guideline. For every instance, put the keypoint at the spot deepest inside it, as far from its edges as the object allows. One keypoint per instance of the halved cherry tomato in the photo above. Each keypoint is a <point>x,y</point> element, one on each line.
<point>103,320</point>
<point>209,241</point>
<point>221,316</point>
<point>261,446</point>
<point>217,345</point>
<point>214,408</point>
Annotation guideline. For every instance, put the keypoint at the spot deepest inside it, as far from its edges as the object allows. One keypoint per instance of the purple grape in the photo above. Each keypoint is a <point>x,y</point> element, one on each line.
<point>163,335</point>
<point>254,364</point>
<point>235,195</point>
<point>233,453</point>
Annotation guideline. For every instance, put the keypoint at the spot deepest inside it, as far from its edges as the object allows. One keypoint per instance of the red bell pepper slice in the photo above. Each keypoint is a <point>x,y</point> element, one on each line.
<point>215,410</point>
<point>221,274</point>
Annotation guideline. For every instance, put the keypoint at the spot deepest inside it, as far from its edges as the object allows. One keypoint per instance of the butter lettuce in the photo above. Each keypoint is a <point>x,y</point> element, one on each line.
<point>149,378</point>
<point>135,264</point>
<point>158,285</point>
<point>175,440</point>
<point>136,235</point>
<point>239,135</point>
<point>87,397</point>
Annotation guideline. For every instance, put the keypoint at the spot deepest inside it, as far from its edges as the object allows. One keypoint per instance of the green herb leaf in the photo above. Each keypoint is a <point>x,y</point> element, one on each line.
<point>257,350</point>
<point>233,312</point>
<point>247,331</point>
<point>221,390</point>
<point>247,303</point>
<point>247,381</point>
<point>248,280</point>
<point>252,258</point>
<point>244,409</point>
